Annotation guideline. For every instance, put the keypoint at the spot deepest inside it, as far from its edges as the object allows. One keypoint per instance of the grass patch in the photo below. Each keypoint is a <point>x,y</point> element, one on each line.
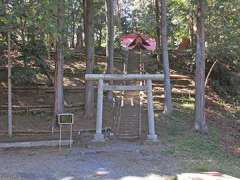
<point>195,152</point>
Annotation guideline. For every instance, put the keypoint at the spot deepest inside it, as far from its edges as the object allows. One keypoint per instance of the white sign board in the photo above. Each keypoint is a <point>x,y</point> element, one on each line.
<point>65,118</point>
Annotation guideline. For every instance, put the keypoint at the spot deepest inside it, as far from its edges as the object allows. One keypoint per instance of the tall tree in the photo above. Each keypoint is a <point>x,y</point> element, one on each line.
<point>89,41</point>
<point>79,43</point>
<point>158,42</point>
<point>118,19</point>
<point>10,119</point>
<point>73,13</point>
<point>80,28</point>
<point>59,99</point>
<point>200,119</point>
<point>110,36</point>
<point>167,84</point>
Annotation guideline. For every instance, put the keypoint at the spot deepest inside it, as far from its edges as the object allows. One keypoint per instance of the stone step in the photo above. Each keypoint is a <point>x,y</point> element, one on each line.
<point>127,136</point>
<point>128,127</point>
<point>128,133</point>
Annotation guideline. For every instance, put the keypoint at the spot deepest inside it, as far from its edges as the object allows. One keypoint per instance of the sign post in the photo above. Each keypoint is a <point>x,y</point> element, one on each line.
<point>65,119</point>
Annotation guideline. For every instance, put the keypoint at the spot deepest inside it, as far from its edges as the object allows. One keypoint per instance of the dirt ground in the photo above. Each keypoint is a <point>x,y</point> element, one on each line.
<point>119,160</point>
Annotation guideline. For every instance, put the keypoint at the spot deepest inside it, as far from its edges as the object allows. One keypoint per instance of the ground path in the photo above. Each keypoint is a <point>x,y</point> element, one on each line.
<point>116,161</point>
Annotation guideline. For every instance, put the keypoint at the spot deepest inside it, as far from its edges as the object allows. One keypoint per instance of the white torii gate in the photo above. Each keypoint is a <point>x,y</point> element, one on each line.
<point>99,137</point>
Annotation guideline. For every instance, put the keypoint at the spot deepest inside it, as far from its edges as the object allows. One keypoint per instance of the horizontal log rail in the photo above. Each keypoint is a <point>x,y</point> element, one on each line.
<point>96,55</point>
<point>95,77</point>
<point>124,88</point>
<point>19,108</point>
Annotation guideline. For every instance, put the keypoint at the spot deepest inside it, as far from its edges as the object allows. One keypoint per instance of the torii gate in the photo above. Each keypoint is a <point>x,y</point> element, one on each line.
<point>99,137</point>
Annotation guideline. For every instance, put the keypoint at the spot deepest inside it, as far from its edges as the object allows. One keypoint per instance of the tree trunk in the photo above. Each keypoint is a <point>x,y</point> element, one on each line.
<point>200,120</point>
<point>158,42</point>
<point>89,41</point>
<point>73,36</point>
<point>110,36</point>
<point>79,43</point>
<point>73,24</point>
<point>10,119</point>
<point>84,24</point>
<point>59,99</point>
<point>119,21</point>
<point>80,28</point>
<point>167,85</point>
<point>3,4</point>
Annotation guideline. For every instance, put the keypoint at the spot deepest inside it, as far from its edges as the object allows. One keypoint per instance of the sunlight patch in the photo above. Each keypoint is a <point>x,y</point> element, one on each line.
<point>148,177</point>
<point>102,172</point>
<point>68,178</point>
<point>187,105</point>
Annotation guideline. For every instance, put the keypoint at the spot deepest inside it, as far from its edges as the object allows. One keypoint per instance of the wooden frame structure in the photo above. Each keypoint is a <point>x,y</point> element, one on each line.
<point>99,137</point>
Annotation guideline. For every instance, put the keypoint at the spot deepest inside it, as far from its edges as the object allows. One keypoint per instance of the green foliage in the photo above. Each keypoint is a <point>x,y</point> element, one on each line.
<point>138,16</point>
<point>98,69</point>
<point>179,20</point>
<point>24,76</point>
<point>224,32</point>
<point>100,22</point>
<point>33,56</point>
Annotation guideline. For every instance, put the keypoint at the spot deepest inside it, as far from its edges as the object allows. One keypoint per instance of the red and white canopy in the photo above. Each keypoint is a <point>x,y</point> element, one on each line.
<point>131,41</point>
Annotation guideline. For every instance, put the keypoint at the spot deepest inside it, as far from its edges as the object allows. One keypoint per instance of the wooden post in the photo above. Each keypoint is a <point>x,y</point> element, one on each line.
<point>125,60</point>
<point>151,126</point>
<point>9,89</point>
<point>140,93</point>
<point>60,137</point>
<point>99,136</point>
<point>125,71</point>
<point>71,134</point>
